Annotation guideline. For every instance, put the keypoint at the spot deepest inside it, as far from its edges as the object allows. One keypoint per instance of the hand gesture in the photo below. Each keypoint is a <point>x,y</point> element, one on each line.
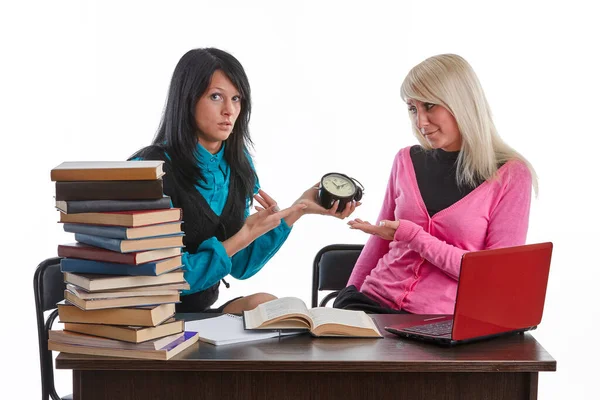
<point>268,217</point>
<point>385,230</point>
<point>309,198</point>
<point>258,224</point>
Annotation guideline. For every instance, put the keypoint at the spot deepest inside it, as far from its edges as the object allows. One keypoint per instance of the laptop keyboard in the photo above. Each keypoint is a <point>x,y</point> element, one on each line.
<point>434,329</point>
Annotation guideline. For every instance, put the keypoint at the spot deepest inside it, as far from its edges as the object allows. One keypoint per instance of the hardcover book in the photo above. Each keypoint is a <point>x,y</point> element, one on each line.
<point>117,302</point>
<point>132,334</point>
<point>79,339</point>
<point>136,316</point>
<point>109,190</point>
<point>97,283</point>
<point>292,313</point>
<point>158,290</point>
<point>107,171</point>
<point>122,232</point>
<point>129,219</point>
<point>78,250</point>
<point>154,268</point>
<point>87,206</point>
<point>131,245</point>
<point>165,353</point>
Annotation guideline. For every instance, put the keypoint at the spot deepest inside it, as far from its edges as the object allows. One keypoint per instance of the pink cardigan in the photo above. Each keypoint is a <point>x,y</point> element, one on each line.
<point>418,270</point>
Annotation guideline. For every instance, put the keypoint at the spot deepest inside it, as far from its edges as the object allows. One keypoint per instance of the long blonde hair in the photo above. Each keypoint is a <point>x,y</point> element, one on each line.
<point>449,80</point>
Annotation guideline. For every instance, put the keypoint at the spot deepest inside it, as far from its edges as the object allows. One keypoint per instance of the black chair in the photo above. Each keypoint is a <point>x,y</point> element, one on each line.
<point>331,269</point>
<point>48,286</point>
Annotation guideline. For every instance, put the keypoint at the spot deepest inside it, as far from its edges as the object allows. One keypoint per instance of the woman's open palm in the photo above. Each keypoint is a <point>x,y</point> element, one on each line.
<point>385,229</point>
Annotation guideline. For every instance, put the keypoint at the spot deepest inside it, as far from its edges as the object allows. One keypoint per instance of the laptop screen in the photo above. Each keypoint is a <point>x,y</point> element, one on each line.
<point>501,290</point>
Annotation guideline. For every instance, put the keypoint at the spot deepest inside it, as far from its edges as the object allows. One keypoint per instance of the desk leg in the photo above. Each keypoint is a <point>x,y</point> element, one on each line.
<point>77,378</point>
<point>208,385</point>
<point>533,385</point>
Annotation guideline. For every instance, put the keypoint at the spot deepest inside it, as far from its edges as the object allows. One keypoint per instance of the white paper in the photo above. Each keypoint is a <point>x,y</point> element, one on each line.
<point>226,329</point>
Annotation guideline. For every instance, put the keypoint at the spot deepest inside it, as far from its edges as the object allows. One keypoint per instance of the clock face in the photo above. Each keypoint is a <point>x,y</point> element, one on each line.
<point>339,185</point>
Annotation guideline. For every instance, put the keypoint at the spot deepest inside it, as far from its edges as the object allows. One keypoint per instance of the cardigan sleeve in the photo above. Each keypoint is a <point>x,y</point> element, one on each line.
<point>508,223</point>
<point>376,247</point>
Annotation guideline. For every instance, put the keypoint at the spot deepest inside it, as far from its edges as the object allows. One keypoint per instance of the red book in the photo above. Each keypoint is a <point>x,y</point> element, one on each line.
<point>78,250</point>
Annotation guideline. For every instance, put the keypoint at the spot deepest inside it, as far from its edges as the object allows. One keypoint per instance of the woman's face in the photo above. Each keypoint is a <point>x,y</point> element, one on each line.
<point>216,111</point>
<point>437,125</point>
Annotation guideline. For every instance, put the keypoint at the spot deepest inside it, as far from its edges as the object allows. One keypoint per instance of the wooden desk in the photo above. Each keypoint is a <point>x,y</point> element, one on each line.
<point>302,367</point>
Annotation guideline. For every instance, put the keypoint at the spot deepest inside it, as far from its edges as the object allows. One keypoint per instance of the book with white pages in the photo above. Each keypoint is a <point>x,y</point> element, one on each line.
<point>229,329</point>
<point>78,339</point>
<point>292,313</point>
<point>133,292</point>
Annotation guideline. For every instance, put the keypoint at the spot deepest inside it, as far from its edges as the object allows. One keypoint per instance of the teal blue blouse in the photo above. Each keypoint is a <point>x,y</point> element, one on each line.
<point>211,263</point>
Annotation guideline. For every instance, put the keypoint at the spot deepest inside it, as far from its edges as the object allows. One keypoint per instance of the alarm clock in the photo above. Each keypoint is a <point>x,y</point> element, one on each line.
<point>335,186</point>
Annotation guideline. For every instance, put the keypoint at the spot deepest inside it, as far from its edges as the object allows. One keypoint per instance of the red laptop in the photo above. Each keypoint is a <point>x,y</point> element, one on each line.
<point>499,291</point>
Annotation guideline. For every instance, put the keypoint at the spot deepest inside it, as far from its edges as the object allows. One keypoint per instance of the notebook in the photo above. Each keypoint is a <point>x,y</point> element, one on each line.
<point>228,329</point>
<point>500,291</point>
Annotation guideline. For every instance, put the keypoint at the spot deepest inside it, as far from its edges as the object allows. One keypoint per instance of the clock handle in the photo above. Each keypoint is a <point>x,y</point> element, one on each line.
<point>359,190</point>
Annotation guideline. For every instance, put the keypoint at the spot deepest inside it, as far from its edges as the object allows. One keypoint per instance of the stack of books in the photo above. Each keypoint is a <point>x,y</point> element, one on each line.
<point>123,275</point>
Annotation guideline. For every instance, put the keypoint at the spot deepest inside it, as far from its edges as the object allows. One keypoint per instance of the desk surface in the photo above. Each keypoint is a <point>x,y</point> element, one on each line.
<point>513,353</point>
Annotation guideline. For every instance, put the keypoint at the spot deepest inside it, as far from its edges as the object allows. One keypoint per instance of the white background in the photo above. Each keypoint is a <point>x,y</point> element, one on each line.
<point>83,80</point>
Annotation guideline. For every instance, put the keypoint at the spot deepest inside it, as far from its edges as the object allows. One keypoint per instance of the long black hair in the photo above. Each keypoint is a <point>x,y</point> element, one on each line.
<point>177,132</point>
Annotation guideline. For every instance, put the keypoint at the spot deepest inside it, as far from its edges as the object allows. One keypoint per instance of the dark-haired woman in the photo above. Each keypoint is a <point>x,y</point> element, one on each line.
<point>203,138</point>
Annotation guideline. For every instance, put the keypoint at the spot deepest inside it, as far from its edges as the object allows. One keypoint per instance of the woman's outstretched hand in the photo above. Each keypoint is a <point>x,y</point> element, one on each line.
<point>385,230</point>
<point>309,197</point>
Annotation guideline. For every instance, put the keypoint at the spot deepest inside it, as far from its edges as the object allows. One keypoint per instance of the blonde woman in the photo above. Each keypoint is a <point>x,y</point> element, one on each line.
<point>462,189</point>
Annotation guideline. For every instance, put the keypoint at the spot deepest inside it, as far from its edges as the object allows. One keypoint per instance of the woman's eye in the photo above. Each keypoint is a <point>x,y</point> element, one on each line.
<point>215,96</point>
<point>428,106</point>
<point>236,98</point>
<point>412,109</point>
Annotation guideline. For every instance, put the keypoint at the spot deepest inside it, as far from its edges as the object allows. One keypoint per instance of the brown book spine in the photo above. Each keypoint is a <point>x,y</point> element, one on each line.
<point>105,174</point>
<point>109,190</point>
<point>96,254</point>
<point>129,316</point>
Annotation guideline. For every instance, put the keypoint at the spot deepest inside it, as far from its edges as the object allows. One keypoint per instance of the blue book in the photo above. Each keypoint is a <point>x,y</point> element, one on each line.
<point>122,232</point>
<point>154,268</point>
<point>131,245</point>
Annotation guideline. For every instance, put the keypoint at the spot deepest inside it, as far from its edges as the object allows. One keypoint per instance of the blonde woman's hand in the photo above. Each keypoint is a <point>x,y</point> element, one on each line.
<point>385,230</point>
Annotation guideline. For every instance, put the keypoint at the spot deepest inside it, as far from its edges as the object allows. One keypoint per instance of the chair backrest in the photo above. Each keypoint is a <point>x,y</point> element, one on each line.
<point>48,287</point>
<point>331,269</point>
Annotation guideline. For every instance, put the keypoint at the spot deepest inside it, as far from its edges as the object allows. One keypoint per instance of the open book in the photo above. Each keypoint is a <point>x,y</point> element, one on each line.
<point>292,313</point>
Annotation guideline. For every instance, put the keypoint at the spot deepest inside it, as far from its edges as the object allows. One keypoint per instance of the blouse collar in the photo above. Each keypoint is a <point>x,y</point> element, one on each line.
<point>208,161</point>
